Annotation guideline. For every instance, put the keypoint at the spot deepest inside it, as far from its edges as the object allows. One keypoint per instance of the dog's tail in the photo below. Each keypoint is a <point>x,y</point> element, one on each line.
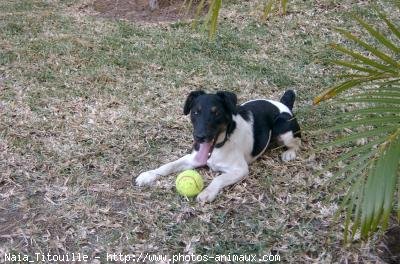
<point>288,99</point>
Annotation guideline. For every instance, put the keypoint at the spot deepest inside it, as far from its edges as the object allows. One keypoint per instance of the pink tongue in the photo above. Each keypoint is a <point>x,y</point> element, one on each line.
<point>202,154</point>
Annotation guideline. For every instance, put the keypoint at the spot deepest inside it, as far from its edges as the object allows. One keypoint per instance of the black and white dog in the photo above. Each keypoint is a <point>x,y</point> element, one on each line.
<point>228,137</point>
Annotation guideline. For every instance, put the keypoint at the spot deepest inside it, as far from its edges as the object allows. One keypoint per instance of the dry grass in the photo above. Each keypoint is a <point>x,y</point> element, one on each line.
<point>88,103</point>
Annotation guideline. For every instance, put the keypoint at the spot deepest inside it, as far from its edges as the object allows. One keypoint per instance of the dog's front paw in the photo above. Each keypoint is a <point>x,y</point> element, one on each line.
<point>208,195</point>
<point>289,155</point>
<point>146,178</point>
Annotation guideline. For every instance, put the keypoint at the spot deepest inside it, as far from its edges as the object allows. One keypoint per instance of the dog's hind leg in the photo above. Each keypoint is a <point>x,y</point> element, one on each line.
<point>292,143</point>
<point>287,131</point>
<point>184,163</point>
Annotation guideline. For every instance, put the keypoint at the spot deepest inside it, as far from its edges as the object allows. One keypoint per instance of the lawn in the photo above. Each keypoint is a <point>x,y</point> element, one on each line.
<point>88,102</point>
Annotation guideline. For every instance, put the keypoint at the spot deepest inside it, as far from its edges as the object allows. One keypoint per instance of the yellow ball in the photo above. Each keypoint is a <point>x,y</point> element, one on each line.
<point>189,183</point>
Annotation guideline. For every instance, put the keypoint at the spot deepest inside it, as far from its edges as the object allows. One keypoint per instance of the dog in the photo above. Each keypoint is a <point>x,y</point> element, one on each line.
<point>228,137</point>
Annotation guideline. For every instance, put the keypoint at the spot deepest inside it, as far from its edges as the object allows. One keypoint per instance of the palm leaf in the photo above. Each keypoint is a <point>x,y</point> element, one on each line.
<point>267,9</point>
<point>362,152</point>
<point>357,214</point>
<point>378,36</point>
<point>389,88</point>
<point>398,203</point>
<point>384,123</point>
<point>376,52</point>
<point>382,100</point>
<point>199,9</point>
<point>374,95</point>
<point>284,6</point>
<point>362,166</point>
<point>364,59</point>
<point>187,5</point>
<point>349,204</point>
<point>390,162</point>
<point>351,75</point>
<point>390,25</point>
<point>215,7</point>
<point>390,80</point>
<point>370,199</point>
<point>369,110</point>
<point>380,186</point>
<point>211,19</point>
<point>354,66</point>
<point>337,89</point>
<point>350,208</point>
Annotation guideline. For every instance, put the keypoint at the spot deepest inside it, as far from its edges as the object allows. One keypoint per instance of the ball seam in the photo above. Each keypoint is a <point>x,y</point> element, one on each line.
<point>190,177</point>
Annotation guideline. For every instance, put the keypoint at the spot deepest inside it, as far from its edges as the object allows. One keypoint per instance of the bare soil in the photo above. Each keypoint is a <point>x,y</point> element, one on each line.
<point>139,10</point>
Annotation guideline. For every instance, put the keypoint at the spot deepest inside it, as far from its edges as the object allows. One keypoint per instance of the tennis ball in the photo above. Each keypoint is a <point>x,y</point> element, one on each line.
<point>189,183</point>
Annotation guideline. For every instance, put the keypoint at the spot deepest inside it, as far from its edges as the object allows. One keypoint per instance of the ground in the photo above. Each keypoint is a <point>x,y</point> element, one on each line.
<point>141,11</point>
<point>88,102</point>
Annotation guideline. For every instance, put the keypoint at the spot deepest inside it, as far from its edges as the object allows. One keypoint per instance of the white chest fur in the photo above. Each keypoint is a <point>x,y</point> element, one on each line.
<point>237,150</point>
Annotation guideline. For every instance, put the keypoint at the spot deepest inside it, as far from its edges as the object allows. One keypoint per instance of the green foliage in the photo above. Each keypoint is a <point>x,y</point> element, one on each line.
<point>212,17</point>
<point>214,7</point>
<point>272,5</point>
<point>372,86</point>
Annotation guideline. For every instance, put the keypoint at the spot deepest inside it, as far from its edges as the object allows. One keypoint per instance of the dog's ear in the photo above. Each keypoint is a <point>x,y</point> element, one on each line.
<point>230,101</point>
<point>282,123</point>
<point>189,101</point>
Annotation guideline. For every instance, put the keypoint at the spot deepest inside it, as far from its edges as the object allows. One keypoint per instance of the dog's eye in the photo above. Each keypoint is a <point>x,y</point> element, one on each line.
<point>195,112</point>
<point>214,110</point>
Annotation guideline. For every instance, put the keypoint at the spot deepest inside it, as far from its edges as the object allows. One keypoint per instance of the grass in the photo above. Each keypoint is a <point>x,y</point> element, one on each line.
<point>88,103</point>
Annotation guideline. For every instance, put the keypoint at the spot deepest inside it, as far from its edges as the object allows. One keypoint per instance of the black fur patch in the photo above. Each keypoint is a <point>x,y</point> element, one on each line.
<point>288,99</point>
<point>285,122</point>
<point>267,120</point>
<point>244,113</point>
<point>263,113</point>
<point>211,115</point>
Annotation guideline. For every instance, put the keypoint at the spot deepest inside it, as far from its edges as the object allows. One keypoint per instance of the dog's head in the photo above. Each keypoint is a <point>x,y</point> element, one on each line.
<point>211,114</point>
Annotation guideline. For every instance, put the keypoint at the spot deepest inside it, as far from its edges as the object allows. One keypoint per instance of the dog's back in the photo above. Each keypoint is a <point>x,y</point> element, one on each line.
<point>270,119</point>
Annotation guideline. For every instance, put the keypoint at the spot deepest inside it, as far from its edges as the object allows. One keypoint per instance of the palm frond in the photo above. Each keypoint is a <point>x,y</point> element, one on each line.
<point>384,66</point>
<point>360,165</point>
<point>382,100</point>
<point>364,59</point>
<point>390,25</point>
<point>375,94</point>
<point>372,170</point>
<point>358,196</point>
<point>398,205</point>
<point>267,9</point>
<point>346,85</point>
<point>378,36</point>
<point>199,9</point>
<point>350,174</point>
<point>354,66</point>
<point>389,87</point>
<point>284,6</point>
<point>374,51</point>
<point>212,19</point>
<point>380,186</point>
<point>361,152</point>
<point>369,110</point>
<point>385,125</point>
